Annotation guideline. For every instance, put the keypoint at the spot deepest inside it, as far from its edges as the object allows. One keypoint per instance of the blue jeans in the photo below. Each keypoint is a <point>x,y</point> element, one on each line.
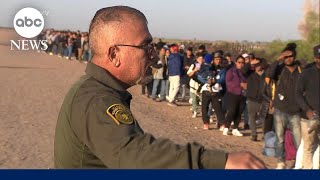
<point>281,122</point>
<point>156,83</point>
<point>90,55</point>
<point>165,87</point>
<point>85,55</point>
<point>69,50</point>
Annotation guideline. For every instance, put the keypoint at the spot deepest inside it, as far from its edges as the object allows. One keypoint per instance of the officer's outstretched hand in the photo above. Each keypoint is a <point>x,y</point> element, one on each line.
<point>244,160</point>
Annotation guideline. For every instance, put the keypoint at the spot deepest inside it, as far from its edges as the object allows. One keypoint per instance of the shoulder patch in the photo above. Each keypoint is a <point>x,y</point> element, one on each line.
<point>120,114</point>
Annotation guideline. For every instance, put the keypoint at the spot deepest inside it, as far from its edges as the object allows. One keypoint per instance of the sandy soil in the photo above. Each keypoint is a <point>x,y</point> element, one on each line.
<point>32,88</point>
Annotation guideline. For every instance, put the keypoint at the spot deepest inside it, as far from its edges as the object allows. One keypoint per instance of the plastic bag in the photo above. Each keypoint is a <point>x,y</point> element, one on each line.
<point>270,140</point>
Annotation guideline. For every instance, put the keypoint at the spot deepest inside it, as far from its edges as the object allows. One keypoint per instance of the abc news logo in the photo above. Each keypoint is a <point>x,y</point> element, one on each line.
<point>28,23</point>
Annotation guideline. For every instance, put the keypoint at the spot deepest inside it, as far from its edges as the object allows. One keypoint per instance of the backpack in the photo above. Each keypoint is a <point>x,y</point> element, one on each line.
<point>289,147</point>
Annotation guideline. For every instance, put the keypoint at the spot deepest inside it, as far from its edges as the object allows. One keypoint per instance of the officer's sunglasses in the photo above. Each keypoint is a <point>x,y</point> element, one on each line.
<point>148,48</point>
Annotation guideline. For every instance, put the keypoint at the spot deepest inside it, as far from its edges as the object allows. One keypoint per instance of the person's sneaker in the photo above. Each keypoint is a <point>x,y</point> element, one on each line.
<point>254,138</point>
<point>206,126</point>
<point>221,128</point>
<point>246,127</point>
<point>159,100</point>
<point>225,132</point>
<point>281,165</point>
<point>173,104</point>
<point>194,114</point>
<point>236,132</point>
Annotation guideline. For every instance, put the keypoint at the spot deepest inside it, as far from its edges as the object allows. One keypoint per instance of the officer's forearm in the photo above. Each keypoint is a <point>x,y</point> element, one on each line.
<point>144,151</point>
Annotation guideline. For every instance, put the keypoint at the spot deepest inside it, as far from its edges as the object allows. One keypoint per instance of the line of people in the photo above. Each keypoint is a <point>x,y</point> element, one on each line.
<point>281,96</point>
<point>67,44</point>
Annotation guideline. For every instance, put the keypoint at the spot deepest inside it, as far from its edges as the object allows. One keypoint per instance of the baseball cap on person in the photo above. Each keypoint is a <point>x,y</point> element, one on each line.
<point>245,55</point>
<point>217,55</point>
<point>174,48</point>
<point>316,51</point>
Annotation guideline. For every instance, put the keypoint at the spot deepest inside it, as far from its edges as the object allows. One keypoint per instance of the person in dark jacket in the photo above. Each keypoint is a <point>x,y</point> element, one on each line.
<point>255,80</point>
<point>188,59</point>
<point>217,67</point>
<point>285,72</point>
<point>307,96</point>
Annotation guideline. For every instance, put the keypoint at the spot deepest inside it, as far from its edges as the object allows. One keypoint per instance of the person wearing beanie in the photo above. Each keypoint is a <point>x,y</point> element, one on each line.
<point>205,77</point>
<point>284,71</point>
<point>307,95</point>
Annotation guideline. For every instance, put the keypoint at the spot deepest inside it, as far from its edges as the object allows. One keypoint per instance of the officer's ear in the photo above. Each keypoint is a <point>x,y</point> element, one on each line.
<point>114,56</point>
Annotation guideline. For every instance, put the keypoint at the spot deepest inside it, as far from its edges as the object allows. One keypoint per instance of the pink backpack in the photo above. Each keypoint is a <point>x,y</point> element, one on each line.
<point>289,147</point>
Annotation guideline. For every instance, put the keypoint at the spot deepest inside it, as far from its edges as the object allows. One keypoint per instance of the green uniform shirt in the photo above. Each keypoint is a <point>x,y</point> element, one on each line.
<point>96,129</point>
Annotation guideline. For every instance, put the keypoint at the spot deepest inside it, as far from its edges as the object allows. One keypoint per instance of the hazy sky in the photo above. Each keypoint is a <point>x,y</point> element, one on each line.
<point>253,20</point>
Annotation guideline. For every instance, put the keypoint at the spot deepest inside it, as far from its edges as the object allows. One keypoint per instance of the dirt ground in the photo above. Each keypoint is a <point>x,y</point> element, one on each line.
<point>32,88</point>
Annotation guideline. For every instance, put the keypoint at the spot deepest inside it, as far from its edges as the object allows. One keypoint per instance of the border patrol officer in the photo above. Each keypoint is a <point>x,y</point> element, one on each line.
<point>96,128</point>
